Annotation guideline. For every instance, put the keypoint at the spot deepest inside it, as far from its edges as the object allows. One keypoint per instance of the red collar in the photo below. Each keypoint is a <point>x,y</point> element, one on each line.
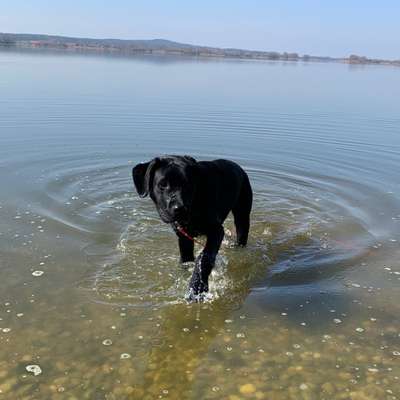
<point>181,230</point>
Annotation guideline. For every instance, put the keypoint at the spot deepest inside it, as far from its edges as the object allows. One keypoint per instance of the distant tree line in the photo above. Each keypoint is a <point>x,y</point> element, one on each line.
<point>6,40</point>
<point>161,46</point>
<point>355,59</point>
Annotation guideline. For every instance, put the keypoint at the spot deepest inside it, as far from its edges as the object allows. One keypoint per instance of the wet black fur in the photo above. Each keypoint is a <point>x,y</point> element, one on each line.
<point>198,196</point>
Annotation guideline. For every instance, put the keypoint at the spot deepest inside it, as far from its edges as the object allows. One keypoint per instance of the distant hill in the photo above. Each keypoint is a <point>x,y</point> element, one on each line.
<point>50,40</point>
<point>162,46</point>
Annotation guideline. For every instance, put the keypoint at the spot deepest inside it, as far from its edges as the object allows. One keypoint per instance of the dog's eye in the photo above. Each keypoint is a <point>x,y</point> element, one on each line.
<point>162,185</point>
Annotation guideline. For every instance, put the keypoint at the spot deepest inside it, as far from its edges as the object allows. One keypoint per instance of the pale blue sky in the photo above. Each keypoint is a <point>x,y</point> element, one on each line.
<point>315,27</point>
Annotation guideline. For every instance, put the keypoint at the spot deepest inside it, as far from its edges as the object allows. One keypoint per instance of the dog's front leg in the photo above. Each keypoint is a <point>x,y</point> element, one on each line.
<point>205,263</point>
<point>186,247</point>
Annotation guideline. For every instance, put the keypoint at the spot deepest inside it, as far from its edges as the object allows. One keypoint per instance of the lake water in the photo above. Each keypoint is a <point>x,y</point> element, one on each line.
<point>91,290</point>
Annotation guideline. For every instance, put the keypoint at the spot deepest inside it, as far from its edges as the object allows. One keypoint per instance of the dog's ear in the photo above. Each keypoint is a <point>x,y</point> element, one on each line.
<point>143,176</point>
<point>190,160</point>
<point>193,167</point>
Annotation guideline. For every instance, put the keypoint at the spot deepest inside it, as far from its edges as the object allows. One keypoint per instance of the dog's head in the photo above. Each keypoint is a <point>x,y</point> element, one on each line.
<point>171,183</point>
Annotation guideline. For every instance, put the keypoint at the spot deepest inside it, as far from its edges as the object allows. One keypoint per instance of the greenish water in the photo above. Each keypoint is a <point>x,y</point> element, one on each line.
<point>91,290</point>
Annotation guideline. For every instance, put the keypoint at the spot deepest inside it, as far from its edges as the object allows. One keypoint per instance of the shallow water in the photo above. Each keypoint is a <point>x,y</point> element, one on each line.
<point>91,290</point>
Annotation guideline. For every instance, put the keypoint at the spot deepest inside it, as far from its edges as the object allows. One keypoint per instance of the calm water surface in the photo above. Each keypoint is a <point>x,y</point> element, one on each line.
<point>90,286</point>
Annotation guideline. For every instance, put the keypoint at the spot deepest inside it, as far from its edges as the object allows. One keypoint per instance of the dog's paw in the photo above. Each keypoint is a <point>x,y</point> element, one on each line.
<point>187,265</point>
<point>202,297</point>
<point>192,297</point>
<point>197,289</point>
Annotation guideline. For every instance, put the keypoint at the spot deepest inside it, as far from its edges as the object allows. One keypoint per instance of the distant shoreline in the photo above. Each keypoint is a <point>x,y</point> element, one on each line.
<point>166,47</point>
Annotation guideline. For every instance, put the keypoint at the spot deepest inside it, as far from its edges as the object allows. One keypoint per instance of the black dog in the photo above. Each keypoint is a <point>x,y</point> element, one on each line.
<point>195,198</point>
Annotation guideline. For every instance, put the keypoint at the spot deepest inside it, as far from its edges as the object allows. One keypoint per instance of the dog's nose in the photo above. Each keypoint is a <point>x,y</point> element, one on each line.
<point>178,209</point>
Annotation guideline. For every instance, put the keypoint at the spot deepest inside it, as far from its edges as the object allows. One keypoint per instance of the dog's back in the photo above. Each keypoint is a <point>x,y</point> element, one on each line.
<point>226,187</point>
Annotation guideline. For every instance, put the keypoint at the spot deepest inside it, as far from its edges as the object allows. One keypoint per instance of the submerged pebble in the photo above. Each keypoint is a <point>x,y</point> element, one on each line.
<point>248,388</point>
<point>303,386</point>
<point>34,369</point>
